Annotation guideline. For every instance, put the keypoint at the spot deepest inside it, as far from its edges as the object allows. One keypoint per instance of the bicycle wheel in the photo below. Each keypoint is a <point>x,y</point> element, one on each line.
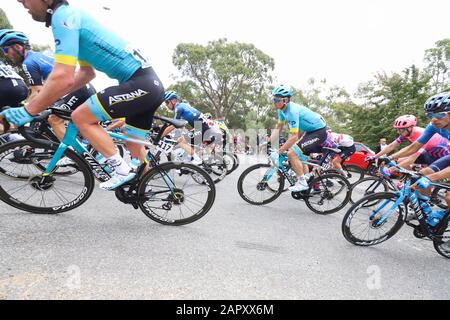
<point>354,173</point>
<point>438,197</point>
<point>259,185</point>
<point>171,193</point>
<point>368,225</point>
<point>229,162</point>
<point>215,167</point>
<point>328,193</point>
<point>23,186</point>
<point>367,186</point>
<point>442,241</point>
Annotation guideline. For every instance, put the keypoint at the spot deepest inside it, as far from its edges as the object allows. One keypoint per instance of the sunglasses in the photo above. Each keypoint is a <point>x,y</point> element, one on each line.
<point>5,50</point>
<point>439,116</point>
<point>276,100</point>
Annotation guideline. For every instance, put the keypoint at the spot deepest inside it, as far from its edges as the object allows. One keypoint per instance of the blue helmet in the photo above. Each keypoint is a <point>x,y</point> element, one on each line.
<point>283,91</point>
<point>9,37</point>
<point>438,103</point>
<point>170,95</point>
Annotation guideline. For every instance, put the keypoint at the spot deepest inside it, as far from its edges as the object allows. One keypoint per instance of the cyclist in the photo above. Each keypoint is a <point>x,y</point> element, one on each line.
<point>221,124</point>
<point>435,148</point>
<point>299,118</point>
<point>13,89</point>
<point>80,39</point>
<point>37,67</point>
<point>347,146</point>
<point>196,120</point>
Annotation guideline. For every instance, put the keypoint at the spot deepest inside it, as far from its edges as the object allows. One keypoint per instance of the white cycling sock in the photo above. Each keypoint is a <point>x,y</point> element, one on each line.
<point>118,165</point>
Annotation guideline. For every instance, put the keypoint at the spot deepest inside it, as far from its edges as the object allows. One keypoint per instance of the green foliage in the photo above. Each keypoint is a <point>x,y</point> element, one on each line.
<point>4,21</point>
<point>226,79</point>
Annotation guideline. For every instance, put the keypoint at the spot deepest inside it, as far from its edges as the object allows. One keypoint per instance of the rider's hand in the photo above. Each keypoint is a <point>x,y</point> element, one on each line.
<point>17,116</point>
<point>370,158</point>
<point>422,183</point>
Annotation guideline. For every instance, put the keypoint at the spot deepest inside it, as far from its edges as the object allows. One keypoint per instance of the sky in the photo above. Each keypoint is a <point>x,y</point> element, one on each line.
<point>343,41</point>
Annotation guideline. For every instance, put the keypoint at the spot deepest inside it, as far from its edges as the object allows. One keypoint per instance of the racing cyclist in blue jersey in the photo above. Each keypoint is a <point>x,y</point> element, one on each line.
<point>299,119</point>
<point>196,120</point>
<point>81,40</point>
<point>37,67</point>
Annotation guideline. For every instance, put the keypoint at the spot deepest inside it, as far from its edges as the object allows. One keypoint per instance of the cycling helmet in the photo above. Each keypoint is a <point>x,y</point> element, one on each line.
<point>438,103</point>
<point>283,91</point>
<point>405,122</point>
<point>9,37</point>
<point>170,95</point>
<point>208,115</point>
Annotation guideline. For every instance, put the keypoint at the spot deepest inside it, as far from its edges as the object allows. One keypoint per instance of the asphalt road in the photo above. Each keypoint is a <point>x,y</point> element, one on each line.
<point>108,250</point>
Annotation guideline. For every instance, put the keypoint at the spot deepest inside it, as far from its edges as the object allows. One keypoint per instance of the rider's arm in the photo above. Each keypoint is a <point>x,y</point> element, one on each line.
<point>289,143</point>
<point>409,150</point>
<point>59,83</point>
<point>391,147</point>
<point>168,130</point>
<point>34,91</point>
<point>83,76</point>
<point>441,175</point>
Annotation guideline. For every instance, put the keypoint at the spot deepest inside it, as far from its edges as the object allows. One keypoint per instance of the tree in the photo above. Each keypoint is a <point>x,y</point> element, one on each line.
<point>227,78</point>
<point>438,65</point>
<point>4,21</point>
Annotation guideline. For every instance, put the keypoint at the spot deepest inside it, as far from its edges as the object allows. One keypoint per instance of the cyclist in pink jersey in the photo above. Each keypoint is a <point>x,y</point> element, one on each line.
<point>436,148</point>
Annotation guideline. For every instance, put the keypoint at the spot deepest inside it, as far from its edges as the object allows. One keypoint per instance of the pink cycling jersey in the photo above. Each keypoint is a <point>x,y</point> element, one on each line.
<point>437,141</point>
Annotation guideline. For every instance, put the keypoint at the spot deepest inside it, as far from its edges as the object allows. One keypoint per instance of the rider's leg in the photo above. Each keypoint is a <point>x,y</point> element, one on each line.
<point>57,124</point>
<point>296,157</point>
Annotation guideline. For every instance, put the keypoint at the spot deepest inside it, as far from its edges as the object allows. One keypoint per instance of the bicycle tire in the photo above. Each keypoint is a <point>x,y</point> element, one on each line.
<point>34,186</point>
<point>149,193</point>
<point>343,189</point>
<point>360,209</point>
<point>367,186</point>
<point>263,186</point>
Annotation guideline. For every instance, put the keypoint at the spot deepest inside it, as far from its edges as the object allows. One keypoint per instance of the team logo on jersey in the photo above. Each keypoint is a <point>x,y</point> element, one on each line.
<point>127,97</point>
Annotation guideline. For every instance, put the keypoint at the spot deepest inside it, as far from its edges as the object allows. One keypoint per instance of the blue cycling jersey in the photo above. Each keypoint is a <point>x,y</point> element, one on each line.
<point>301,118</point>
<point>78,37</point>
<point>188,113</point>
<point>37,67</point>
<point>430,131</point>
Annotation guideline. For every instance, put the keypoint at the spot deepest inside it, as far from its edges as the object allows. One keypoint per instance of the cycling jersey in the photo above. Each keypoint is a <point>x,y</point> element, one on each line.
<point>300,118</point>
<point>430,131</point>
<point>190,114</point>
<point>12,92</point>
<point>79,38</point>
<point>37,67</point>
<point>342,140</point>
<point>7,72</point>
<point>432,146</point>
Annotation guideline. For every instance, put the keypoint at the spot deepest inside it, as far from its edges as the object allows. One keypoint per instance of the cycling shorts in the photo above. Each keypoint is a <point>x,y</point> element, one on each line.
<point>440,164</point>
<point>12,92</point>
<point>434,155</point>
<point>75,99</point>
<point>136,100</point>
<point>312,142</point>
<point>346,152</point>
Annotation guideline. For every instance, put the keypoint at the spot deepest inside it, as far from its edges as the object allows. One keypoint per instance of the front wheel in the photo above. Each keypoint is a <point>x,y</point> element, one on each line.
<point>176,193</point>
<point>260,184</point>
<point>373,219</point>
<point>24,187</point>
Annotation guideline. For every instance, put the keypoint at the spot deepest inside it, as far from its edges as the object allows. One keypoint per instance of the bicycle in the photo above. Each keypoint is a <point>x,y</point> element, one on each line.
<point>163,193</point>
<point>267,182</point>
<point>378,217</point>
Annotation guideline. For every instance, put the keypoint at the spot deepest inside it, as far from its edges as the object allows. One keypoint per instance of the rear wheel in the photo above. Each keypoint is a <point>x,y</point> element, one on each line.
<point>176,193</point>
<point>329,193</point>
<point>367,186</point>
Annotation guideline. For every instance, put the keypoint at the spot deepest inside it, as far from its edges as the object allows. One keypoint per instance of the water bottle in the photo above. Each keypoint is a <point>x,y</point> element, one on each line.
<point>435,217</point>
<point>424,204</point>
<point>102,160</point>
